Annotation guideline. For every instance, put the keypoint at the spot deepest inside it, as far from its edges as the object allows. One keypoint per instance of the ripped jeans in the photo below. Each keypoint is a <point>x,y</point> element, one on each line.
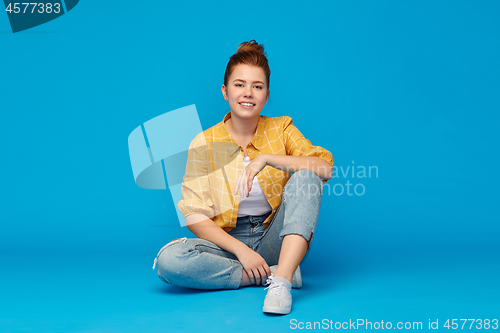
<point>200,264</point>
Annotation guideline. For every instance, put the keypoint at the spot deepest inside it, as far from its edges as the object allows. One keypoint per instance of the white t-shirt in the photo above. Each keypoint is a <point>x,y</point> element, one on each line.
<point>256,203</point>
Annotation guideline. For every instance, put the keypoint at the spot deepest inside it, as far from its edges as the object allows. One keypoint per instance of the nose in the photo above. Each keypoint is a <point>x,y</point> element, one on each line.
<point>248,91</point>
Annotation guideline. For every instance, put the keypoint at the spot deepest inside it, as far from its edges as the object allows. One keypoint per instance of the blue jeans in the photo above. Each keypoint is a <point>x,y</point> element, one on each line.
<point>200,264</point>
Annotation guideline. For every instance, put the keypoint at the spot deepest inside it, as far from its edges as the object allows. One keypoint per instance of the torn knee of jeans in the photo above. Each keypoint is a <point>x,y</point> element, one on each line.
<point>183,239</point>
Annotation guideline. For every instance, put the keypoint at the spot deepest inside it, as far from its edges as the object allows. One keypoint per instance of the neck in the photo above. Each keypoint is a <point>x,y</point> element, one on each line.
<point>243,128</point>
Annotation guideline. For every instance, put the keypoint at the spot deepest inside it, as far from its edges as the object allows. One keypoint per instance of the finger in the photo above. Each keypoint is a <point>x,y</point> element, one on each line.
<point>243,185</point>
<point>251,277</point>
<point>236,186</point>
<point>263,275</point>
<point>240,180</point>
<point>258,279</point>
<point>240,189</point>
<point>267,269</point>
<point>250,183</point>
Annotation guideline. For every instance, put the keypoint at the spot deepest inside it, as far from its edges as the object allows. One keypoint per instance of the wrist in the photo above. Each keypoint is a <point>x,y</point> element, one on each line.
<point>240,249</point>
<point>264,158</point>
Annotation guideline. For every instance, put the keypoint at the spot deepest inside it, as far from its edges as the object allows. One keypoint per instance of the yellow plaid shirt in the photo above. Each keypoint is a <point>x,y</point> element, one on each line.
<point>215,162</point>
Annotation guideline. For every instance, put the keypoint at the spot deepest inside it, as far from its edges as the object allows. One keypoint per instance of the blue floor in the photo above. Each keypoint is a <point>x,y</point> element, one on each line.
<point>408,88</point>
<point>43,291</point>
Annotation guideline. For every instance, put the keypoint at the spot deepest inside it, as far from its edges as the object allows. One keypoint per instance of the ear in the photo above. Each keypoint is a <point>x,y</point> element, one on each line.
<point>224,92</point>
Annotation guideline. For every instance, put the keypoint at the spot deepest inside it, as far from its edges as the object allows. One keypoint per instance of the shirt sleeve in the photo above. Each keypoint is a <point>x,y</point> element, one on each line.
<point>196,196</point>
<point>297,145</point>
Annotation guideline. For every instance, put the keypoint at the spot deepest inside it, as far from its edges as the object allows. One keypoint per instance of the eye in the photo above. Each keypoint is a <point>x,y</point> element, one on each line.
<point>238,84</point>
<point>258,87</point>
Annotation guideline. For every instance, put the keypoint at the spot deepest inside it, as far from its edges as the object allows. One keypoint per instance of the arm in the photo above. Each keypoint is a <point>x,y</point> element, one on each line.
<point>291,164</point>
<point>205,228</point>
<point>282,162</point>
<point>254,265</point>
<point>300,155</point>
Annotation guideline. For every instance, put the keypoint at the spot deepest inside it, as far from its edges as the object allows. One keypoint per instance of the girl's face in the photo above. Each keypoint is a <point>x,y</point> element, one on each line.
<point>246,84</point>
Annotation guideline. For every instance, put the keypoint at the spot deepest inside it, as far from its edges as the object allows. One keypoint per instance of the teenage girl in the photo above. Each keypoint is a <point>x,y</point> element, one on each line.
<point>253,220</point>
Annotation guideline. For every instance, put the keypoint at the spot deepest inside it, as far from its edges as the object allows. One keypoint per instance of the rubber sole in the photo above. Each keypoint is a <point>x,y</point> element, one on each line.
<point>271,309</point>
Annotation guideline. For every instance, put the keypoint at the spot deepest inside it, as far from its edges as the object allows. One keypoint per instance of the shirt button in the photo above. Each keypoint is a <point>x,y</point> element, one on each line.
<point>269,195</point>
<point>261,180</point>
<point>250,150</point>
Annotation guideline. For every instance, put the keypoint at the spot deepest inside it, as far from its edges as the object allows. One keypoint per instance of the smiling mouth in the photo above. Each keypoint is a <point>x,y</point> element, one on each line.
<point>247,105</point>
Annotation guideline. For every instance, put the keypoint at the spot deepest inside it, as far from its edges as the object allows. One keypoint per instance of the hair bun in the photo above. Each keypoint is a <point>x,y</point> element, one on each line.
<point>248,53</point>
<point>251,45</point>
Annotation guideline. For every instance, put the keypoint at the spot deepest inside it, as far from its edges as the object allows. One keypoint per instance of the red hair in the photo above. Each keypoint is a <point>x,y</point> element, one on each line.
<point>250,53</point>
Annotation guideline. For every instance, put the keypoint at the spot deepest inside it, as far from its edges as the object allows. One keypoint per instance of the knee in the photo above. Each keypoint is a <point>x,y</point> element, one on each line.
<point>171,260</point>
<point>306,176</point>
<point>304,183</point>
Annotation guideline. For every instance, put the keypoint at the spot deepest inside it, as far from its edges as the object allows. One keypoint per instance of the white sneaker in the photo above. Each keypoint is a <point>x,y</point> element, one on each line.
<point>296,279</point>
<point>278,299</point>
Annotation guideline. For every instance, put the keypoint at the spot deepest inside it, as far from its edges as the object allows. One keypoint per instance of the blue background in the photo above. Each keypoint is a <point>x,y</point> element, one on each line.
<point>410,87</point>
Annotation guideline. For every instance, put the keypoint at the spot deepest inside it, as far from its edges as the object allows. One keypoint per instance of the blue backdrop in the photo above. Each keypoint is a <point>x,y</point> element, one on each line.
<point>410,89</point>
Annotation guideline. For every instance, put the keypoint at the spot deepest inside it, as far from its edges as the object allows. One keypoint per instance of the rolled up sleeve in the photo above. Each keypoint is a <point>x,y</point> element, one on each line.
<point>297,145</point>
<point>196,195</point>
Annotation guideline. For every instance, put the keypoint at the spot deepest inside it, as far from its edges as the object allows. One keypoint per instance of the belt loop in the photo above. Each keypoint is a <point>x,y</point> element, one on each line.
<point>251,220</point>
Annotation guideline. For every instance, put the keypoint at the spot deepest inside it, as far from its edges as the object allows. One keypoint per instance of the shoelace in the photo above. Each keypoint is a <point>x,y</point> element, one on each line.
<point>275,288</point>
<point>269,280</point>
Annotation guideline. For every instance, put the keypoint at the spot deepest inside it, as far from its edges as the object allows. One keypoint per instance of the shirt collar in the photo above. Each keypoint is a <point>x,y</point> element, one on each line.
<point>257,138</point>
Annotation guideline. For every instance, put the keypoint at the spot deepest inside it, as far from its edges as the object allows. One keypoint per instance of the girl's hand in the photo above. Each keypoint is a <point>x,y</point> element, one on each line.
<point>244,182</point>
<point>256,267</point>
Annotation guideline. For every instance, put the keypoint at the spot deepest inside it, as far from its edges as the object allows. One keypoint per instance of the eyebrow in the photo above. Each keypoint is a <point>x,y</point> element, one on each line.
<point>246,81</point>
